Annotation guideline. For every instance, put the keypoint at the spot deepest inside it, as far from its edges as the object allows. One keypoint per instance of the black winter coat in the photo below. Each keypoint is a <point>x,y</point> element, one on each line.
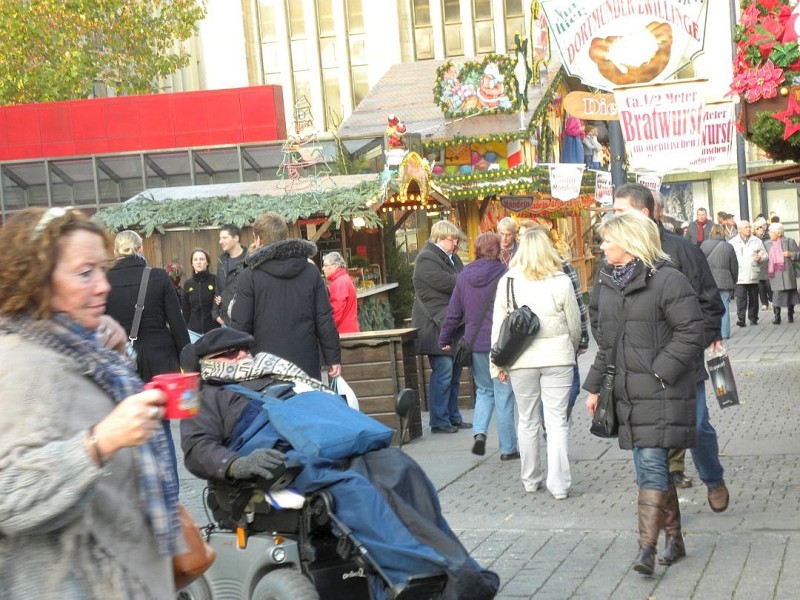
<point>662,336</point>
<point>434,279</point>
<point>198,302</point>
<point>226,282</point>
<point>282,302</point>
<point>162,331</point>
<point>690,260</point>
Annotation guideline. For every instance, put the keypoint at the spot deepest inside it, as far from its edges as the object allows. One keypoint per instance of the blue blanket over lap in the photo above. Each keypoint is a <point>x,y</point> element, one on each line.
<point>373,521</point>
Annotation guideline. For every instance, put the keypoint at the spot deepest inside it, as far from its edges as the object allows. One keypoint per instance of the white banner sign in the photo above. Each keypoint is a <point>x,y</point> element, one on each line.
<point>650,181</point>
<point>662,124</point>
<point>718,134</point>
<point>565,181</point>
<point>604,189</point>
<point>609,43</point>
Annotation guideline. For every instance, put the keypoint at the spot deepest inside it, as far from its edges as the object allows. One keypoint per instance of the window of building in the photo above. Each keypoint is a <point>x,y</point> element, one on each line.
<point>453,42</point>
<point>483,26</point>
<point>297,25</point>
<point>423,32</point>
<point>270,48</point>
<point>515,22</point>
<point>357,38</point>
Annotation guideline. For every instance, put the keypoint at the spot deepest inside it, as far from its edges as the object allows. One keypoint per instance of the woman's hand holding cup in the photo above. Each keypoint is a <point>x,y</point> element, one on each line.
<point>131,423</point>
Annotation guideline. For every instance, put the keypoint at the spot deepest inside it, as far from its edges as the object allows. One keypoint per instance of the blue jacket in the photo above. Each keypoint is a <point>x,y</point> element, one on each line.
<point>474,286</point>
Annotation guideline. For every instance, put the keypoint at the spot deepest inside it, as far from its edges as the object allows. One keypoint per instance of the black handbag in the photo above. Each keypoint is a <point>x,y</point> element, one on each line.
<point>516,331</point>
<point>604,421</point>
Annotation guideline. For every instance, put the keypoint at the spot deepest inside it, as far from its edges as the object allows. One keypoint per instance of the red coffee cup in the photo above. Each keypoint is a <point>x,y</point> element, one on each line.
<point>182,391</point>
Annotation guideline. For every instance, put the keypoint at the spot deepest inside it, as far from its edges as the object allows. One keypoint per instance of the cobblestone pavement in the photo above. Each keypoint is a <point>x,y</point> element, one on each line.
<point>583,547</point>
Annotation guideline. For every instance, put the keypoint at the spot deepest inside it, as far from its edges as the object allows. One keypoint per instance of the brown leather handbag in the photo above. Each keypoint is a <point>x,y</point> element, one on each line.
<point>199,555</point>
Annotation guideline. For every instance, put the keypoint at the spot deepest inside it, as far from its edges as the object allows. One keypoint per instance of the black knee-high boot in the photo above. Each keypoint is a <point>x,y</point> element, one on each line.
<point>790,315</point>
<point>777,319</point>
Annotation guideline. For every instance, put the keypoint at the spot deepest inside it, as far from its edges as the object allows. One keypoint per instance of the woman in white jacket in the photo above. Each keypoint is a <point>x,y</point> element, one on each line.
<point>543,373</point>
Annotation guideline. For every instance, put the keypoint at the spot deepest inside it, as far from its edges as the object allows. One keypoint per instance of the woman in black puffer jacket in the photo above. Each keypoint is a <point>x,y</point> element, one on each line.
<point>661,344</point>
<point>198,295</point>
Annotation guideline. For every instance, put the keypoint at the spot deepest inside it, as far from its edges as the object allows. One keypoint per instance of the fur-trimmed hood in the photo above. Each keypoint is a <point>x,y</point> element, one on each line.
<point>285,259</point>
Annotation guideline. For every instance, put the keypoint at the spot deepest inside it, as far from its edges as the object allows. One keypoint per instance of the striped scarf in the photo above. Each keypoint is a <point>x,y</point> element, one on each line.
<point>261,365</point>
<point>112,374</point>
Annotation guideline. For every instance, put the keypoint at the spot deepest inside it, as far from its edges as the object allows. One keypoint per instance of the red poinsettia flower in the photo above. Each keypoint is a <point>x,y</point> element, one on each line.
<point>770,5</point>
<point>762,82</point>
<point>750,15</point>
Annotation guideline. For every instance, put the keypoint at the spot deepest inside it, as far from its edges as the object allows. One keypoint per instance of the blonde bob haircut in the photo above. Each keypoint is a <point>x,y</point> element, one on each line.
<point>442,229</point>
<point>535,256</point>
<point>636,234</point>
<point>127,243</point>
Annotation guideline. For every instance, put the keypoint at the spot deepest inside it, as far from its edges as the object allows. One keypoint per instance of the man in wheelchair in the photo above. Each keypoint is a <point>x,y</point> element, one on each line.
<point>380,499</point>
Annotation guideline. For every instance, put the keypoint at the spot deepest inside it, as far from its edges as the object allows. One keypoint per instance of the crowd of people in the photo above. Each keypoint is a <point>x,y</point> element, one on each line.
<point>84,436</point>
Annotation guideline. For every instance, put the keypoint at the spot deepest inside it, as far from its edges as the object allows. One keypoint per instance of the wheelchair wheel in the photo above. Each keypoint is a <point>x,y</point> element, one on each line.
<point>285,584</point>
<point>197,590</point>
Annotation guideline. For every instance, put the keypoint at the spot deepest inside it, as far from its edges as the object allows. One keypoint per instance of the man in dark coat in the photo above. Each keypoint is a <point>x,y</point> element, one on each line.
<point>229,265</point>
<point>689,260</point>
<point>435,271</point>
<point>697,231</point>
<point>282,301</point>
<point>383,495</point>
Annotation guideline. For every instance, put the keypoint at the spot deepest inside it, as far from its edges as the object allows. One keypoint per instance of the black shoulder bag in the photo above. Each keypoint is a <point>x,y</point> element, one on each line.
<point>516,331</point>
<point>130,349</point>
<point>604,421</point>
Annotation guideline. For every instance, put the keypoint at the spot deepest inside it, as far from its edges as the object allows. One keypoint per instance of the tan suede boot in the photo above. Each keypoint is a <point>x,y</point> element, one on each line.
<point>651,520</point>
<point>674,548</point>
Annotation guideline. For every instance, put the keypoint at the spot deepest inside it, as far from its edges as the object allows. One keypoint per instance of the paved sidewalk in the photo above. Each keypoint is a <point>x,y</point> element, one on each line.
<point>583,547</point>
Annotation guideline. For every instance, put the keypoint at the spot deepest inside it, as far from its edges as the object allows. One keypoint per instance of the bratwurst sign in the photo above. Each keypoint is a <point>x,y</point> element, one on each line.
<point>662,124</point>
<point>609,43</point>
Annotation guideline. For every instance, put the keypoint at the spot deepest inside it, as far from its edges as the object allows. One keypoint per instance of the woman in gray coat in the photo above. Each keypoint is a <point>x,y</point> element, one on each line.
<point>783,255</point>
<point>724,266</point>
<point>652,306</point>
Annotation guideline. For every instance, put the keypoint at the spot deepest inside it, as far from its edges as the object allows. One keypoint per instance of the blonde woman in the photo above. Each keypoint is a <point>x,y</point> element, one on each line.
<point>543,373</point>
<point>653,306</point>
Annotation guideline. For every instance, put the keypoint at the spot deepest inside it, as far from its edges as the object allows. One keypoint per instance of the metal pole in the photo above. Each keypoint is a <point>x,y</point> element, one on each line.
<point>741,157</point>
<point>617,147</point>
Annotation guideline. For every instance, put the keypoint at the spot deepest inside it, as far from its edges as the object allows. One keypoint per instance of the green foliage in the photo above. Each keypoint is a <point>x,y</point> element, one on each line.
<point>375,314</point>
<point>54,50</point>
<point>767,133</point>
<point>149,215</point>
<point>398,271</point>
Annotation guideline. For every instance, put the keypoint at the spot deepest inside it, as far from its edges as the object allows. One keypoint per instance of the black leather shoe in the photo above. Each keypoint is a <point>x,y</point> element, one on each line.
<point>790,317</point>
<point>462,425</point>
<point>510,456</point>
<point>479,446</point>
<point>444,429</point>
<point>754,322</point>
<point>741,324</point>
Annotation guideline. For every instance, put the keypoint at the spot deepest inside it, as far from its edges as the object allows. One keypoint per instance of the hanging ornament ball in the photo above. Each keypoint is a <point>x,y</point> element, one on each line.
<point>476,157</point>
<point>465,169</point>
<point>491,156</point>
<point>784,91</point>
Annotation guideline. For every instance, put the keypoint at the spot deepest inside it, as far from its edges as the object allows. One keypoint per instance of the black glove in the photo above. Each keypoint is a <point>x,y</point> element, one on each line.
<point>256,464</point>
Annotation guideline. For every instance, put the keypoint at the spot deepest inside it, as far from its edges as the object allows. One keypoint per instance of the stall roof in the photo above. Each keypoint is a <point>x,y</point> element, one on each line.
<point>247,188</point>
<point>789,173</point>
<point>406,90</point>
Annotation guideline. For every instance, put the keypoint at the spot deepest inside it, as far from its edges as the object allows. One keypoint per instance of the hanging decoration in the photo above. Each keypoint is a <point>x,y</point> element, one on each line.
<point>540,42</point>
<point>766,76</point>
<point>485,87</point>
<point>303,167</point>
<point>522,70</point>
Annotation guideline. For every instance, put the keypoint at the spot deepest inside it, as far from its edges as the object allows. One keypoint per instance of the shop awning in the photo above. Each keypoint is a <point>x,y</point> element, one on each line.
<point>788,173</point>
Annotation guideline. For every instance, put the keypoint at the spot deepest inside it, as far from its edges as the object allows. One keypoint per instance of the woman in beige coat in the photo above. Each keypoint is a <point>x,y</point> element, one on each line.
<point>543,373</point>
